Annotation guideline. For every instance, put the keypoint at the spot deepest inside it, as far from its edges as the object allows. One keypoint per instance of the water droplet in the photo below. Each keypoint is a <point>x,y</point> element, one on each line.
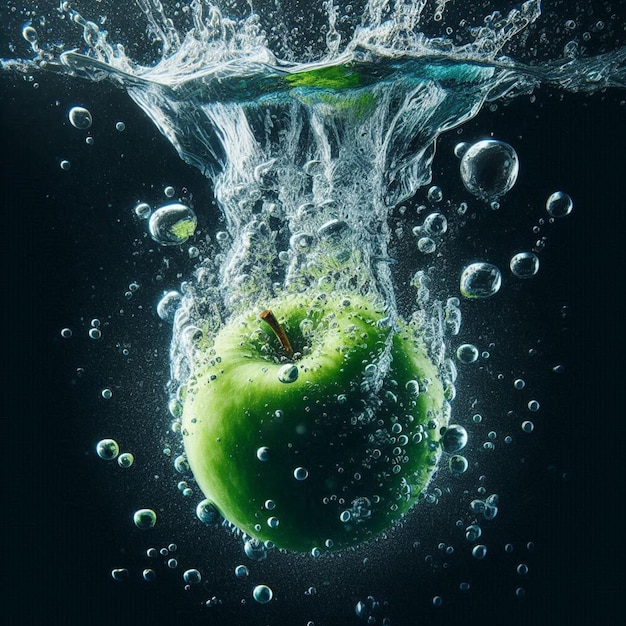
<point>66,333</point>
<point>524,264</point>
<point>533,405</point>
<point>559,204</point>
<point>107,449</point>
<point>467,353</point>
<point>172,224</point>
<point>65,165</point>
<point>454,439</point>
<point>480,280</point>
<point>125,459</point>
<point>528,426</point>
<point>95,333</point>
<point>288,373</point>
<point>144,518</point>
<point>107,394</point>
<point>273,522</point>
<point>262,594</point>
<point>241,571</point>
<point>519,383</point>
<point>489,168</point>
<point>169,191</point>
<point>207,513</point>
<point>263,454</point>
<point>120,126</point>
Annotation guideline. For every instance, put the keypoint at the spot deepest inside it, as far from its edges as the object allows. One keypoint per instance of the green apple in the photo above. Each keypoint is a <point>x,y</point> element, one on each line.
<point>321,439</point>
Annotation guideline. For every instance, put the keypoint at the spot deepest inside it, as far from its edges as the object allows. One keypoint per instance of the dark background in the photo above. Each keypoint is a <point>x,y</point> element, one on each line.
<point>71,245</point>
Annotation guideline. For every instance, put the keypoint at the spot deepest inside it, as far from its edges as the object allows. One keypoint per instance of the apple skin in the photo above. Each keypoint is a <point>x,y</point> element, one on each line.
<point>368,443</point>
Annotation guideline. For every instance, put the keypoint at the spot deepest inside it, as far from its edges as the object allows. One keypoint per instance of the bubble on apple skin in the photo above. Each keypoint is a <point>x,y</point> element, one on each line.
<point>524,264</point>
<point>144,518</point>
<point>559,204</point>
<point>181,464</point>
<point>262,594</point>
<point>255,550</point>
<point>172,224</point>
<point>107,449</point>
<point>454,439</point>
<point>288,373</point>
<point>489,169</point>
<point>80,118</point>
<point>480,280</point>
<point>467,353</point>
<point>168,305</point>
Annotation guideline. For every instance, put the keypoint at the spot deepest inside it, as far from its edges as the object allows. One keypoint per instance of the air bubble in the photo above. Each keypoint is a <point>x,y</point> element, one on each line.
<point>524,265</point>
<point>192,576</point>
<point>489,169</point>
<point>480,280</point>
<point>454,439</point>
<point>107,449</point>
<point>262,594</point>
<point>143,210</point>
<point>125,460</point>
<point>300,473</point>
<point>168,305</point>
<point>467,353</point>
<point>559,204</point>
<point>172,224</point>
<point>80,118</point>
<point>144,518</point>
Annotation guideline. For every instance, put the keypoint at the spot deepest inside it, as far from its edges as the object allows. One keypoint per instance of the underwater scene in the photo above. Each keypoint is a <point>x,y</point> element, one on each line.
<point>312,311</point>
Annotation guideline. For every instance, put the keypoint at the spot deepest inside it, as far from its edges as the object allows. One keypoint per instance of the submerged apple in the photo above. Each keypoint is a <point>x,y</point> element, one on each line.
<point>317,428</point>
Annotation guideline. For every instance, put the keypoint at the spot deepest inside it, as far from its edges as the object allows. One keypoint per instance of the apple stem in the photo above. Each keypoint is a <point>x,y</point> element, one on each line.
<point>270,319</point>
